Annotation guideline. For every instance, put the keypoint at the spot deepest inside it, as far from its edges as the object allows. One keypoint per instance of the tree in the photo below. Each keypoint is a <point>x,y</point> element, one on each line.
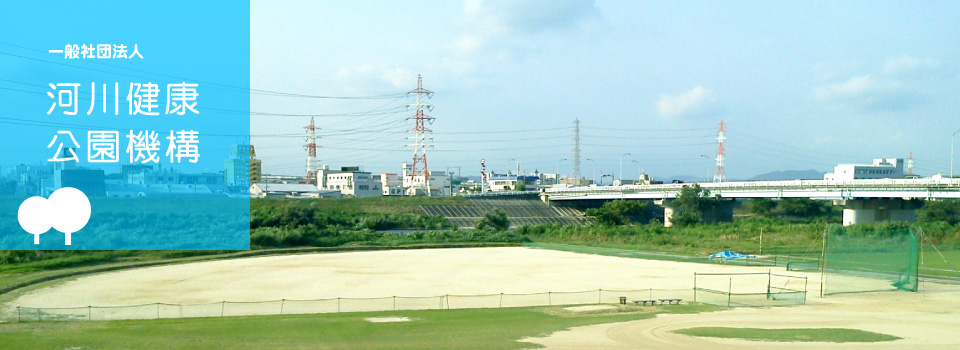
<point>617,212</point>
<point>495,219</point>
<point>760,206</point>
<point>802,207</point>
<point>691,204</point>
<point>947,211</point>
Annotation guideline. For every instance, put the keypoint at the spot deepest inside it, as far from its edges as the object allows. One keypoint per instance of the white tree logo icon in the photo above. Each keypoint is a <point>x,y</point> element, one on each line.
<point>67,210</point>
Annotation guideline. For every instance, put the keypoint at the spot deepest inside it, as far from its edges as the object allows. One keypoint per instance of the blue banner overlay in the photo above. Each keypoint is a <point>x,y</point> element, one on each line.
<point>125,126</point>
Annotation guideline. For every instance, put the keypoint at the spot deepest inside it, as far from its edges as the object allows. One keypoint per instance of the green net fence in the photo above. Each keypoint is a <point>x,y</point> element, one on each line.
<point>857,260</point>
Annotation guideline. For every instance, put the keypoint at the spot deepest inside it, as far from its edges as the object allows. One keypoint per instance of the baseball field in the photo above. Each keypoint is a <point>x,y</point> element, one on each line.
<point>460,290</point>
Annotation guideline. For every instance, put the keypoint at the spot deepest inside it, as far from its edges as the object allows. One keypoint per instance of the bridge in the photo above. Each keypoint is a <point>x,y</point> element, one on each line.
<point>864,201</point>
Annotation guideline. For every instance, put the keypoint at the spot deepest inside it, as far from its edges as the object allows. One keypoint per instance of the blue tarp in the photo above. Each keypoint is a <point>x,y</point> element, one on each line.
<point>729,255</point>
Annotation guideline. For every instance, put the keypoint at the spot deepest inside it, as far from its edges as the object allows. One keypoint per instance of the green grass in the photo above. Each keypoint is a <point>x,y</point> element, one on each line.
<point>832,335</point>
<point>932,264</point>
<point>433,329</point>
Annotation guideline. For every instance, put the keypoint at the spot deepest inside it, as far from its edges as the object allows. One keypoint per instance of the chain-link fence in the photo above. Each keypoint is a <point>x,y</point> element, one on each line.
<point>333,305</point>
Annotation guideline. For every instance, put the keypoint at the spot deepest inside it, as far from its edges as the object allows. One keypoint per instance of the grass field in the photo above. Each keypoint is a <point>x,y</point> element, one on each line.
<point>941,263</point>
<point>436,329</point>
<point>832,335</point>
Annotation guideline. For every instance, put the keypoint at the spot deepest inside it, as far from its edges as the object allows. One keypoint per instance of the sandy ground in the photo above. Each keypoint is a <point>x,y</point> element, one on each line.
<point>387,319</point>
<point>587,308</point>
<point>427,272</point>
<point>924,320</point>
<point>929,320</point>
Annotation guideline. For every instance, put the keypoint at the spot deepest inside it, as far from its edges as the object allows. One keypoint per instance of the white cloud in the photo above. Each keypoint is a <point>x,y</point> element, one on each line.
<point>907,64</point>
<point>505,29</point>
<point>372,80</point>
<point>867,94</point>
<point>527,16</point>
<point>859,87</point>
<point>468,43</point>
<point>899,85</point>
<point>694,103</point>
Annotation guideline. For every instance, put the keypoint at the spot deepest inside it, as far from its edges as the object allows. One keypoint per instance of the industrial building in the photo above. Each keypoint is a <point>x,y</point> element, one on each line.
<point>390,184</point>
<point>881,168</point>
<point>440,183</point>
<point>350,181</point>
<point>511,182</point>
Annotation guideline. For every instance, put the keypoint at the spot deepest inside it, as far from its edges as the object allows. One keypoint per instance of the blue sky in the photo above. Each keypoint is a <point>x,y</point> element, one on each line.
<point>800,84</point>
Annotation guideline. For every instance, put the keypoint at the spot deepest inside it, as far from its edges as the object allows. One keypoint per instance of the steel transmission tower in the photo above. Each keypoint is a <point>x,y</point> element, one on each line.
<point>420,139</point>
<point>311,147</point>
<point>721,172</point>
<point>575,158</point>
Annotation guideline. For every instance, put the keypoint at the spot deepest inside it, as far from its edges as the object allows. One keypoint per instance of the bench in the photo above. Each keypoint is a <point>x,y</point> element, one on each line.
<point>644,302</point>
<point>670,301</point>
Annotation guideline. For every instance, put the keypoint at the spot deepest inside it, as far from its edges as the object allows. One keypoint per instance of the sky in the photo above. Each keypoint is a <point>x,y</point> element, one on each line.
<point>799,84</point>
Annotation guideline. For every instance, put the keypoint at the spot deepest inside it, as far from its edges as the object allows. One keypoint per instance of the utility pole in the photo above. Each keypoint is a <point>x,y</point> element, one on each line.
<point>575,157</point>
<point>639,170</point>
<point>951,152</point>
<point>621,167</point>
<point>558,171</point>
<point>594,176</point>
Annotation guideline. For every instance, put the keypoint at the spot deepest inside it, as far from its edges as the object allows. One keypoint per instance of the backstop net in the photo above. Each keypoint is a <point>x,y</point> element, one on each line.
<point>749,289</point>
<point>863,259</point>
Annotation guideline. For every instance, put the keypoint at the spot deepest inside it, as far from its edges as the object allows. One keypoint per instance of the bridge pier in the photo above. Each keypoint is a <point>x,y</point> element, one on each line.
<point>722,212</point>
<point>866,211</point>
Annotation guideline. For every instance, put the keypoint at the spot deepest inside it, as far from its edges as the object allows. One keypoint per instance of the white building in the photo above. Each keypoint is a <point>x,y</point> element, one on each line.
<point>391,184</point>
<point>496,183</point>
<point>440,183</point>
<point>350,181</point>
<point>882,168</point>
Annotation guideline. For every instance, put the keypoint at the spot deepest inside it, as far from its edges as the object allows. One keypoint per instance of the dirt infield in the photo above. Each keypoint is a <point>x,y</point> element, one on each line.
<point>924,320</point>
<point>428,272</point>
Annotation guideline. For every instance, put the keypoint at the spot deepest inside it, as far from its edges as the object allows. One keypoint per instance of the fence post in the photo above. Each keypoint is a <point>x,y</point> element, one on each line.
<point>222,305</point>
<point>651,293</point>
<point>394,303</point>
<point>804,291</point>
<point>600,296</point>
<point>158,311</point>
<point>39,315</point>
<point>88,312</point>
<point>768,284</point>
<point>19,318</point>
<point>729,291</point>
<point>338,304</point>
<point>448,301</point>
<point>501,300</point>
<point>549,299</point>
<point>281,305</point>
<point>694,287</point>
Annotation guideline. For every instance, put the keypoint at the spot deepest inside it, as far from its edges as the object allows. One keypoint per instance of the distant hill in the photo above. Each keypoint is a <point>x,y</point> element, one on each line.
<point>809,174</point>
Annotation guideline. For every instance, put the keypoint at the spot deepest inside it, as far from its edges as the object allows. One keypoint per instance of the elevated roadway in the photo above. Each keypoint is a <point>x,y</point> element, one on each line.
<point>864,201</point>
